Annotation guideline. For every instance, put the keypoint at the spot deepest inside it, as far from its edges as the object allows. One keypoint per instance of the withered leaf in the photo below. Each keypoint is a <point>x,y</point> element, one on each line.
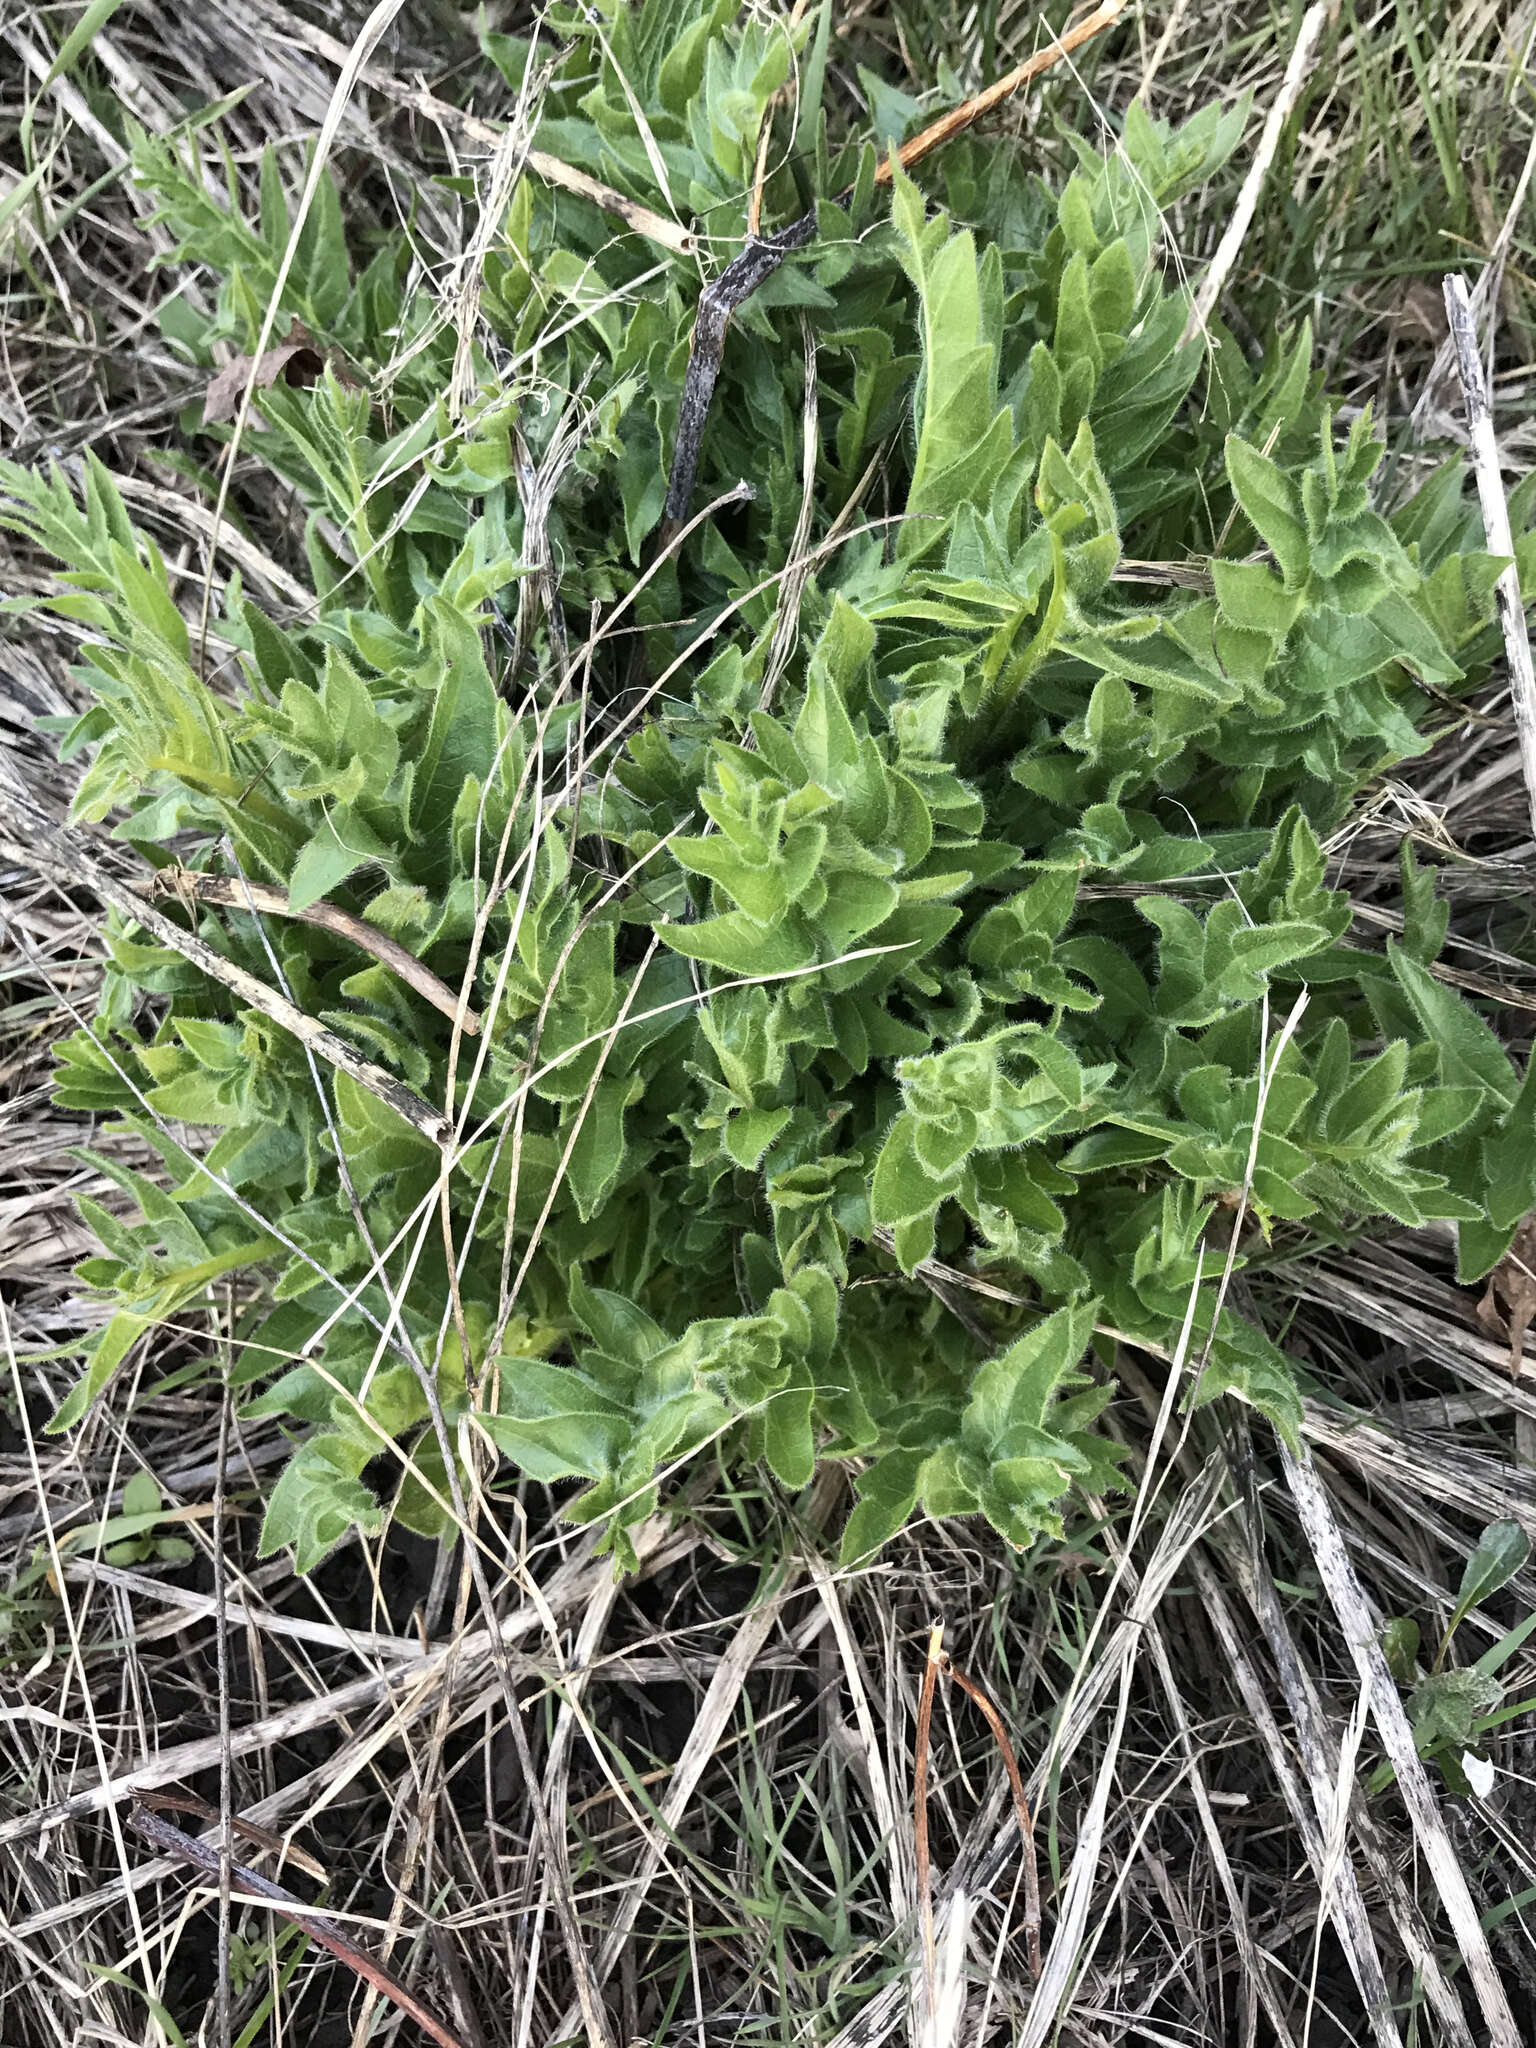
<point>298,360</point>
<point>1508,1307</point>
<point>1418,314</point>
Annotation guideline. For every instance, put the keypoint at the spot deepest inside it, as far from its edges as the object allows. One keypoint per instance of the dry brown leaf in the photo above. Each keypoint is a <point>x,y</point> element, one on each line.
<point>297,360</point>
<point>1418,314</point>
<point>1508,1306</point>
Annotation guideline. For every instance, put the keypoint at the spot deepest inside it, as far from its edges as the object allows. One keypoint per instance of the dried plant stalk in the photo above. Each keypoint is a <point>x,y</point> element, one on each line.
<point>1490,491</point>
<point>327,917</point>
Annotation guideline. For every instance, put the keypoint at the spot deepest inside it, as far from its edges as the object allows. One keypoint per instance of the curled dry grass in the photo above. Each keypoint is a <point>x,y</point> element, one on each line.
<point>721,1749</point>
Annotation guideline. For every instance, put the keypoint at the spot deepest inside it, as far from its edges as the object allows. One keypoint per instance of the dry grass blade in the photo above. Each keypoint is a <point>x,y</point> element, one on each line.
<point>655,227</point>
<point>262,1838</point>
<point>1346,1902</point>
<point>411,1682</point>
<point>924,1856</point>
<point>944,2018</point>
<point>1351,1917</point>
<point>667,234</point>
<point>1490,490</point>
<point>180,511</point>
<point>1064,1961</point>
<point>1110,1673</point>
<point>719,1702</point>
<point>29,836</point>
<point>1317,1749</point>
<point>879,1777</point>
<point>1484,291</point>
<point>1349,1604</point>
<point>1423,1465</point>
<point>1313,22</point>
<point>1415,1308</point>
<point>1306,1803</point>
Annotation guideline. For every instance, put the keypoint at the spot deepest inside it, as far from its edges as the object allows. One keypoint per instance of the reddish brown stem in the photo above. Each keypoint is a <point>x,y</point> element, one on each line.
<point>1021,1807</point>
<point>204,1857</point>
<point>961,117</point>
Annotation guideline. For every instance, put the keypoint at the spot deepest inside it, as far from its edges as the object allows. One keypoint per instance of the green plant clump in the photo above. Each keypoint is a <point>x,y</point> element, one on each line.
<point>890,874</point>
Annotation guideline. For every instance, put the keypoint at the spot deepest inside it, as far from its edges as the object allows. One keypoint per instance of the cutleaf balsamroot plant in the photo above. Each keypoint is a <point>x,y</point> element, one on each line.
<point>969,920</point>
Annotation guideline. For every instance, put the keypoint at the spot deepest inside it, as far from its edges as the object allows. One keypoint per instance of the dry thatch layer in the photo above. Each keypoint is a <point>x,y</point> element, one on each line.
<point>697,1822</point>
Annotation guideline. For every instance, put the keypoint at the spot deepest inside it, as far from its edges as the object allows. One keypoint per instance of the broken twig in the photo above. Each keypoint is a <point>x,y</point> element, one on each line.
<point>326,917</point>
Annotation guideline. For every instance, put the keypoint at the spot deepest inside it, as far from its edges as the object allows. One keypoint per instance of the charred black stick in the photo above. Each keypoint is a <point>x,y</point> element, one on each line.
<point>717,302</point>
<point>764,253</point>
